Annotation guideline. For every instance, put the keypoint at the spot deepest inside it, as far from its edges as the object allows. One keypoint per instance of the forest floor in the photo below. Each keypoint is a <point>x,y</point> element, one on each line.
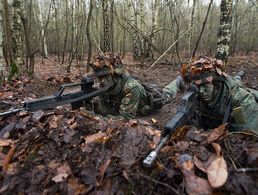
<point>64,151</point>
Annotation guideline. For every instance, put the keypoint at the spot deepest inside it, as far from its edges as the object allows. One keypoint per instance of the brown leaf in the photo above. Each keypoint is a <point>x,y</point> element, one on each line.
<point>70,121</point>
<point>132,122</point>
<point>75,188</point>
<point>217,172</point>
<point>216,133</point>
<point>8,157</point>
<point>181,132</point>
<point>5,142</point>
<point>53,124</point>
<point>60,177</point>
<point>102,170</point>
<point>94,137</point>
<point>73,125</point>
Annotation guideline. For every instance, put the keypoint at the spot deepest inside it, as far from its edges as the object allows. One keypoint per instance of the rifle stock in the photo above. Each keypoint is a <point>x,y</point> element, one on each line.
<point>182,116</point>
<point>77,99</point>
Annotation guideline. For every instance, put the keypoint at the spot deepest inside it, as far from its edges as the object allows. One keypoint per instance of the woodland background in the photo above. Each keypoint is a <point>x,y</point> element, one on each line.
<point>73,30</point>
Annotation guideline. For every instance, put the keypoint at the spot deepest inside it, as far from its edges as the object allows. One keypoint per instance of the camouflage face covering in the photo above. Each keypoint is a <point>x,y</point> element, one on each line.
<point>204,70</point>
<point>107,64</point>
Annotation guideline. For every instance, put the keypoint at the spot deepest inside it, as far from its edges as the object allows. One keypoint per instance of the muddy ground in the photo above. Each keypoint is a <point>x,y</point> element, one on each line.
<point>61,151</point>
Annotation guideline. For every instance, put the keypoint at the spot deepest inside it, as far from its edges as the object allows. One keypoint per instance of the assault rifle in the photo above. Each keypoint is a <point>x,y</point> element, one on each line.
<point>184,113</point>
<point>76,99</point>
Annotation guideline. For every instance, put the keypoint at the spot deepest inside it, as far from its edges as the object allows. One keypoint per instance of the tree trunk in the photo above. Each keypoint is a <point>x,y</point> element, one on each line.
<point>27,34</point>
<point>66,31</point>
<point>106,26</point>
<point>18,34</point>
<point>8,34</point>
<point>133,21</point>
<point>9,43</point>
<point>43,41</point>
<point>252,34</point>
<point>191,34</point>
<point>89,35</point>
<point>57,31</point>
<point>224,34</point>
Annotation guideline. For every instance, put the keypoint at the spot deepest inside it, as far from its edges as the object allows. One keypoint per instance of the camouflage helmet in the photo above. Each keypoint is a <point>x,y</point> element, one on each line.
<point>107,64</point>
<point>203,70</point>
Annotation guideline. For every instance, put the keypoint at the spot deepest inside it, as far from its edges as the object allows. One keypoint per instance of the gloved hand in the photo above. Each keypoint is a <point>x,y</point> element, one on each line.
<point>240,75</point>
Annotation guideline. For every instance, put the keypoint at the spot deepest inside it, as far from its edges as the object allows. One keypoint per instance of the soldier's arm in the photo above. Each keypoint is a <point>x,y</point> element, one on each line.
<point>129,104</point>
<point>170,91</point>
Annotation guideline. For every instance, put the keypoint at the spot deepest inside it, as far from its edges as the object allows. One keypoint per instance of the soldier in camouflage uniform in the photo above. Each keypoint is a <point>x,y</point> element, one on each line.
<point>222,98</point>
<point>127,97</point>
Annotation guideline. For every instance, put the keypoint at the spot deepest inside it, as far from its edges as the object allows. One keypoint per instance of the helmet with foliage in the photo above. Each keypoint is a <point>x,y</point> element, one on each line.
<point>203,70</point>
<point>107,64</point>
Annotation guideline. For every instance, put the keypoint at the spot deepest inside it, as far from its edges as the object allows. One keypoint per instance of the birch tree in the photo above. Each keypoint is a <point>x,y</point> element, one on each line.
<point>106,26</point>
<point>224,34</point>
<point>89,34</point>
<point>18,34</point>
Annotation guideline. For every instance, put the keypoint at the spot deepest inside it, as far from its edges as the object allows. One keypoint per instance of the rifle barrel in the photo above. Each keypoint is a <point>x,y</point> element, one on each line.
<point>12,111</point>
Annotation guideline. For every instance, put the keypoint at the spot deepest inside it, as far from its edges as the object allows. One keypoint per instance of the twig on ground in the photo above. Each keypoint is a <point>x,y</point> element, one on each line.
<point>247,169</point>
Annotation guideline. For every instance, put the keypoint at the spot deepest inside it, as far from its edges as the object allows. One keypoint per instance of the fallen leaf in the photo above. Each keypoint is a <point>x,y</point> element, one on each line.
<point>154,120</point>
<point>132,122</point>
<point>217,172</point>
<point>7,129</point>
<point>102,170</point>
<point>216,133</point>
<point>53,124</point>
<point>70,121</point>
<point>8,157</point>
<point>73,125</point>
<point>5,142</point>
<point>37,115</point>
<point>94,137</point>
<point>60,177</point>
<point>199,164</point>
<point>75,188</point>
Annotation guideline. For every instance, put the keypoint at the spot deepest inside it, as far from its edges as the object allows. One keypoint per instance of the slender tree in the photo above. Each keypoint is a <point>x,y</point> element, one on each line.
<point>18,34</point>
<point>224,34</point>
<point>106,26</point>
<point>89,35</point>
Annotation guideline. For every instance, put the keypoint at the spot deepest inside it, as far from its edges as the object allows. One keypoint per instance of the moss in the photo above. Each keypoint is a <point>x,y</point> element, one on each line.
<point>13,71</point>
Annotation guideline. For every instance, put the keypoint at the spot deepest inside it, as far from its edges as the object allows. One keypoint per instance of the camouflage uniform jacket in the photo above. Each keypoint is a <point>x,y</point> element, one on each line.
<point>243,106</point>
<point>127,98</point>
